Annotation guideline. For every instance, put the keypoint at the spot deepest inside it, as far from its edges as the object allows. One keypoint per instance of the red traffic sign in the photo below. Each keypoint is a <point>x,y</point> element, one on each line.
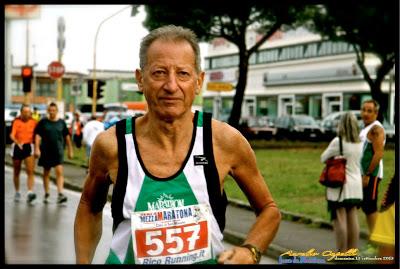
<point>55,69</point>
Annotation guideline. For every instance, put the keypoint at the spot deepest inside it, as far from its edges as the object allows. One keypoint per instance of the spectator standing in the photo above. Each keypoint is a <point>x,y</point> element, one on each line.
<point>373,138</point>
<point>343,201</point>
<point>35,114</point>
<point>51,134</point>
<point>76,130</point>
<point>22,149</point>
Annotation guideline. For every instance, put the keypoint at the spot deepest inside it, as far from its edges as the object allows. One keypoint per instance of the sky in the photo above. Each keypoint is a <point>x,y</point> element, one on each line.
<point>117,42</point>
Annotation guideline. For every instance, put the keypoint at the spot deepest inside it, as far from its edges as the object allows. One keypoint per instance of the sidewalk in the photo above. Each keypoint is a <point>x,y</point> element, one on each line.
<point>300,234</point>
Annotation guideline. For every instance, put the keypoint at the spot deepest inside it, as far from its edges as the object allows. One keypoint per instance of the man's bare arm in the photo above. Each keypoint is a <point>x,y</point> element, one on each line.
<point>377,136</point>
<point>88,221</point>
<point>247,175</point>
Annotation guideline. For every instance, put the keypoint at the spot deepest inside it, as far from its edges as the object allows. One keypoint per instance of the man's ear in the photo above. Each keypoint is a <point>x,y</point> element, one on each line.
<point>139,79</point>
<point>199,83</point>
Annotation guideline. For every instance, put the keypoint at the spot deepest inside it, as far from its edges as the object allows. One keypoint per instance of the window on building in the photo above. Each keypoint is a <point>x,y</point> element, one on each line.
<point>311,50</point>
<point>44,88</point>
<point>227,104</point>
<point>291,53</point>
<point>253,58</point>
<point>315,106</point>
<point>207,64</point>
<point>16,88</point>
<point>208,105</point>
<point>267,106</point>
<point>266,56</point>
<point>226,61</point>
<point>351,101</point>
<point>301,104</point>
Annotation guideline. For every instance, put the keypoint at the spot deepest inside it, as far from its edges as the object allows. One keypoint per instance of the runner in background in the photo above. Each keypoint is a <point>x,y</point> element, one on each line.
<point>22,136</point>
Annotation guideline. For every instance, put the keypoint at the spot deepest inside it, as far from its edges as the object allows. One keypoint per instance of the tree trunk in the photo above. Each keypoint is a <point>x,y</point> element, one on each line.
<point>236,111</point>
<point>375,86</point>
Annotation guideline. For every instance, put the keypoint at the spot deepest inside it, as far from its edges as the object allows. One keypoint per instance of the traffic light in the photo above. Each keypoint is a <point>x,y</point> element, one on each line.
<point>27,75</point>
<point>99,90</point>
<point>90,88</point>
<point>100,84</point>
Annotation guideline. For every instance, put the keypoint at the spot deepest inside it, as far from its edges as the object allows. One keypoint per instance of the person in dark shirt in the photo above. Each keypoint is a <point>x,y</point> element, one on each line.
<point>51,135</point>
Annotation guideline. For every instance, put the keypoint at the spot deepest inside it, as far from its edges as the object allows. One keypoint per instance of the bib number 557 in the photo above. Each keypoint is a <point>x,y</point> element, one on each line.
<point>174,240</point>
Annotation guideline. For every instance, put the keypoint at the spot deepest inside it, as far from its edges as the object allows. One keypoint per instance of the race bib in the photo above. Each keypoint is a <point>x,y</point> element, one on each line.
<point>179,235</point>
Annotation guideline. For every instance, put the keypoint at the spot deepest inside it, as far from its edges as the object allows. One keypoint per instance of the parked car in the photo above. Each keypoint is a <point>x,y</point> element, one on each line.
<point>389,131</point>
<point>303,127</point>
<point>330,123</point>
<point>10,113</point>
<point>112,117</point>
<point>260,127</point>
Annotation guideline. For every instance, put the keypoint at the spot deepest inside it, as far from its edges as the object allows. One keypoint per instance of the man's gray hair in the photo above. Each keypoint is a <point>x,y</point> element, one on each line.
<point>170,33</point>
<point>372,101</point>
<point>348,128</point>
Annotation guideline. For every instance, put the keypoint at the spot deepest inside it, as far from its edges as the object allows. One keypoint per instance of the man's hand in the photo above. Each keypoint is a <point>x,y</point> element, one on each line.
<point>37,152</point>
<point>236,255</point>
<point>70,154</point>
<point>20,146</point>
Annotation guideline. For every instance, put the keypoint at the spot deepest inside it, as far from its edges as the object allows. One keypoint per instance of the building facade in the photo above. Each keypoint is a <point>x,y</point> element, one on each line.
<point>292,73</point>
<point>120,86</point>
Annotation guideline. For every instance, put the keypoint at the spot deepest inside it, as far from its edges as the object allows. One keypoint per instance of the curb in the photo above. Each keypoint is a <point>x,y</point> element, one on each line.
<point>236,238</point>
<point>294,217</point>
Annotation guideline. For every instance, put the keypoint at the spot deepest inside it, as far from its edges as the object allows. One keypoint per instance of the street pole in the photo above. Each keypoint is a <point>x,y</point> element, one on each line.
<point>60,47</point>
<point>59,80</point>
<point>26,98</point>
<point>94,98</point>
<point>8,64</point>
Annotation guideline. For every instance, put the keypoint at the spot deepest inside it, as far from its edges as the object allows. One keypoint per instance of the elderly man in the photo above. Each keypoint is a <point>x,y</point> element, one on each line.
<point>373,136</point>
<point>168,169</point>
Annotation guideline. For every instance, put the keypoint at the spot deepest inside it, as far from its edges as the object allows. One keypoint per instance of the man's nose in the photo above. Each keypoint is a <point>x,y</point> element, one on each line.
<point>172,82</point>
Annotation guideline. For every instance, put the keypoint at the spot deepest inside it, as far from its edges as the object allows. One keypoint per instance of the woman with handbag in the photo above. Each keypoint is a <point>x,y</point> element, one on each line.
<point>343,201</point>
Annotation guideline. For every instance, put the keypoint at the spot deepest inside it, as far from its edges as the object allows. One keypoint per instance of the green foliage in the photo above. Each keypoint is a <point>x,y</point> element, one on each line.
<point>371,25</point>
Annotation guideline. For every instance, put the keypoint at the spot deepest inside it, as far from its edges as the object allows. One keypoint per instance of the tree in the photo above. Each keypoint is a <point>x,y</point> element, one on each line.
<point>371,27</point>
<point>229,21</point>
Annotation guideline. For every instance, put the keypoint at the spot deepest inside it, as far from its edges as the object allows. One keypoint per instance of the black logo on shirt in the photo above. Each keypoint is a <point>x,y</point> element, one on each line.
<point>200,160</point>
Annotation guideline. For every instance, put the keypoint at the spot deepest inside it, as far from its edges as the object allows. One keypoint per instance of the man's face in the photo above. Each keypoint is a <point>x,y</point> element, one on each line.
<point>52,110</point>
<point>170,81</point>
<point>368,113</point>
<point>25,113</point>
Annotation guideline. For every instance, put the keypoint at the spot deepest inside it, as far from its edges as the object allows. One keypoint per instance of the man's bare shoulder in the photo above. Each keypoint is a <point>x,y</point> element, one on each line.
<point>376,131</point>
<point>106,142</point>
<point>227,137</point>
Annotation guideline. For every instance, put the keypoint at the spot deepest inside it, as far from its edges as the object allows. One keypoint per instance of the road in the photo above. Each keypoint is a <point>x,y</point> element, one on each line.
<point>43,233</point>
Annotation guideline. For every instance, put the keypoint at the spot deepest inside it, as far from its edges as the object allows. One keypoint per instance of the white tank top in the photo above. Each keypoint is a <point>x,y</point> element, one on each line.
<point>174,220</point>
<point>368,151</point>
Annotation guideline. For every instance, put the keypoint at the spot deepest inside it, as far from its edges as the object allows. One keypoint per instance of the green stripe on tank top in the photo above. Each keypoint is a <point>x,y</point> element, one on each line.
<point>128,126</point>
<point>156,194</point>
<point>200,119</point>
<point>129,259</point>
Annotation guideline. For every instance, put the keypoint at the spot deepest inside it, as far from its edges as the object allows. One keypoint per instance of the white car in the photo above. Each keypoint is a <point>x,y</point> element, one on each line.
<point>9,115</point>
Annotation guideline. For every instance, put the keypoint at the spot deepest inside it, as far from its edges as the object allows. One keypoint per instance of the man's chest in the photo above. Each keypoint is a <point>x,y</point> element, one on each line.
<point>161,163</point>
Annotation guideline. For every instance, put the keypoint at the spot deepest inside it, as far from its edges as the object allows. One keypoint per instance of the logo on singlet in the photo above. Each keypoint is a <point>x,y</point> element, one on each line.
<point>165,201</point>
<point>200,160</point>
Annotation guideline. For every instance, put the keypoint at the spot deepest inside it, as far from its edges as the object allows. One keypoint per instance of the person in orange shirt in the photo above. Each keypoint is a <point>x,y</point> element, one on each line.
<point>22,136</point>
<point>76,130</point>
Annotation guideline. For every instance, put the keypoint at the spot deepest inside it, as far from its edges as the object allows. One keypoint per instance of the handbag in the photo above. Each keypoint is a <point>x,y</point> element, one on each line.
<point>334,173</point>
